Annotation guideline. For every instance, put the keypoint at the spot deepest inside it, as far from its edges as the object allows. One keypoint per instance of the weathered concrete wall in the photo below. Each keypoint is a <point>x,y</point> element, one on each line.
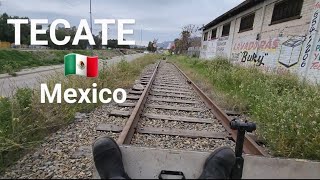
<point>194,52</point>
<point>289,46</point>
<point>208,49</point>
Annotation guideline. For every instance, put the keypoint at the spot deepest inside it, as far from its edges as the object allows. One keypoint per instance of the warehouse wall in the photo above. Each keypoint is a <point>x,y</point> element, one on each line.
<point>287,46</point>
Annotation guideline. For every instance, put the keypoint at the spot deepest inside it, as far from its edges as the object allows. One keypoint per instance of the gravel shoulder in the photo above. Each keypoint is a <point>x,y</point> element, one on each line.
<point>67,153</point>
<point>62,154</point>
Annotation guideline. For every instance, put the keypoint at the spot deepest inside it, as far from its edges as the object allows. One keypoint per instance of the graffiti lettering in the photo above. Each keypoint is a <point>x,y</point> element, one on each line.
<point>318,48</point>
<point>316,56</point>
<point>258,60</point>
<point>235,56</point>
<point>264,44</point>
<point>306,53</point>
<point>308,47</point>
<point>221,46</point>
<point>315,65</point>
<point>317,5</point>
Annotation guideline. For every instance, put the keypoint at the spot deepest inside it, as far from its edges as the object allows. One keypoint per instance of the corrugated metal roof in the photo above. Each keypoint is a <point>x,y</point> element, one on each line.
<point>234,11</point>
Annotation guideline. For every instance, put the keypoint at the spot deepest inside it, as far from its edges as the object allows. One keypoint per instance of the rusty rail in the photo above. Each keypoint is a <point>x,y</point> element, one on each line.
<point>250,146</point>
<point>129,129</point>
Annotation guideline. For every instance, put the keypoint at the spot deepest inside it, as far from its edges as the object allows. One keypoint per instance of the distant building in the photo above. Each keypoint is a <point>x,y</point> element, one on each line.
<point>280,35</point>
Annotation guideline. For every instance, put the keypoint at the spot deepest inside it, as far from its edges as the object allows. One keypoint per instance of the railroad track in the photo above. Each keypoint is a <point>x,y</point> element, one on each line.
<point>169,111</point>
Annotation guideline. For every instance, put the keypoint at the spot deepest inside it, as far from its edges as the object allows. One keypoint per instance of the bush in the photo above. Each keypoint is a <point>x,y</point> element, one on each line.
<point>24,97</point>
<point>7,68</point>
<point>5,116</point>
<point>123,65</point>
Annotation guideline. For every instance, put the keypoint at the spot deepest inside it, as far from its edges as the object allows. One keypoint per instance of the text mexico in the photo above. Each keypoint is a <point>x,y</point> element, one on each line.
<point>71,95</point>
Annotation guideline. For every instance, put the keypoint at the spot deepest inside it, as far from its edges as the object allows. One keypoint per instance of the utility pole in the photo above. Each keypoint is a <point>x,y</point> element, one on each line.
<point>91,28</point>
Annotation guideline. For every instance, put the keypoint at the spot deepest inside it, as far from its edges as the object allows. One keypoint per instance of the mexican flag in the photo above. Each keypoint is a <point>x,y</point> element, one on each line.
<point>81,65</point>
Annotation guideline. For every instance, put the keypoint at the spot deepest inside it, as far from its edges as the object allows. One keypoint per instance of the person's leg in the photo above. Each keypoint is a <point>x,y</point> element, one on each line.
<point>219,164</point>
<point>108,159</point>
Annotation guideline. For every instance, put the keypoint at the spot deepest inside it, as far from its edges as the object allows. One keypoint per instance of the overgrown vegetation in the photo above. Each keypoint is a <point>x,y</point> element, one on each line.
<point>24,121</point>
<point>286,110</point>
<point>14,60</point>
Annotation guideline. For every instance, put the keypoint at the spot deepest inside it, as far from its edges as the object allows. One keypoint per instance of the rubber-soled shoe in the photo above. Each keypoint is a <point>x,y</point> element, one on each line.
<point>108,159</point>
<point>219,164</point>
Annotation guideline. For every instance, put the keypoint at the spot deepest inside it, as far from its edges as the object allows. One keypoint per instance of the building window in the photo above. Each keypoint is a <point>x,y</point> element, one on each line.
<point>205,37</point>
<point>226,30</point>
<point>214,33</point>
<point>286,10</point>
<point>246,23</point>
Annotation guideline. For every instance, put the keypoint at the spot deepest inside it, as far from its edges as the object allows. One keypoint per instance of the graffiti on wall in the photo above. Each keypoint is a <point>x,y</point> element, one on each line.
<point>299,54</point>
<point>312,30</point>
<point>253,51</point>
<point>270,44</point>
<point>290,51</point>
<point>222,45</point>
<point>253,57</point>
<point>268,52</point>
<point>316,58</point>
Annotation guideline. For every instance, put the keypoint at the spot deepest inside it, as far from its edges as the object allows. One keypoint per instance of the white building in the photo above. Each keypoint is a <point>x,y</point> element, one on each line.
<point>280,35</point>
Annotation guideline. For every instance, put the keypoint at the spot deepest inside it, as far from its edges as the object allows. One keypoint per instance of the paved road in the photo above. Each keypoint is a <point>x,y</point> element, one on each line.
<point>33,77</point>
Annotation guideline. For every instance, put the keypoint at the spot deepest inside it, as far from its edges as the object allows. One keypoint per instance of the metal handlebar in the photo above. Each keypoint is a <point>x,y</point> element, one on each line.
<point>242,128</point>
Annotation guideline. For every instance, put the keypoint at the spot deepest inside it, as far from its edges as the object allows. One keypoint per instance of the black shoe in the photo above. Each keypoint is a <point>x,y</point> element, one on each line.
<point>219,164</point>
<point>108,159</point>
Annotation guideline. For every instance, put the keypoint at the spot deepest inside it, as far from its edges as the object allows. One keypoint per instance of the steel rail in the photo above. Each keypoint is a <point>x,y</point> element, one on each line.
<point>250,146</point>
<point>130,126</point>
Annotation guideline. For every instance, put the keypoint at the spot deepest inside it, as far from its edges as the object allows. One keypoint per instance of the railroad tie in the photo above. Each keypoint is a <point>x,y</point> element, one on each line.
<point>166,131</point>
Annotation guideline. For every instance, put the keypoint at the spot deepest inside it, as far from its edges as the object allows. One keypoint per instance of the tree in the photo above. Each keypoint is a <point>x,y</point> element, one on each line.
<point>98,41</point>
<point>7,30</point>
<point>189,37</point>
<point>113,43</point>
<point>185,41</point>
<point>152,46</point>
<point>192,29</point>
<point>178,46</point>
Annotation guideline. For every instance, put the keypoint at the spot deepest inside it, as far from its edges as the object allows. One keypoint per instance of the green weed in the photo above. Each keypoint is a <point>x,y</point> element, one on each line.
<point>286,110</point>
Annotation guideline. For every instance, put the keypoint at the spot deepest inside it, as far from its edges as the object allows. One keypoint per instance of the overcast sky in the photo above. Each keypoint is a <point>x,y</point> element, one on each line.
<point>161,19</point>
